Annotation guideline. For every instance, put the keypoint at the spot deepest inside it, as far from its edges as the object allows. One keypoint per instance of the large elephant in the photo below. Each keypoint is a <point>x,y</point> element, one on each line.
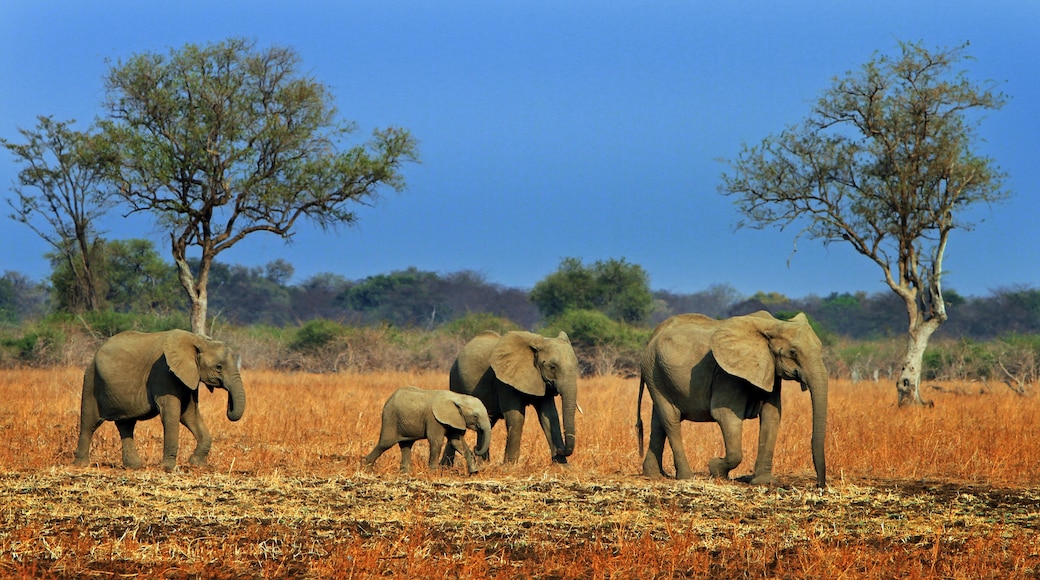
<point>701,369</point>
<point>519,369</point>
<point>412,413</point>
<point>137,375</point>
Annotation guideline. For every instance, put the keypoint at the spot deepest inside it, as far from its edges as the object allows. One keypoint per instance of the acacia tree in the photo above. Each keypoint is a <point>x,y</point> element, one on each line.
<point>226,140</point>
<point>884,162</point>
<point>61,191</point>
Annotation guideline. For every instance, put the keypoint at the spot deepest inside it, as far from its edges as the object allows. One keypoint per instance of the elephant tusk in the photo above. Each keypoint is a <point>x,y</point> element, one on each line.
<point>579,408</point>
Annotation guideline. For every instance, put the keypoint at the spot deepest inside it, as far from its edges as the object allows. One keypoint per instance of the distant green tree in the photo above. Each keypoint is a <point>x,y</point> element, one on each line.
<point>884,162</point>
<point>20,298</point>
<point>247,295</point>
<point>406,298</point>
<point>614,287</point>
<point>139,280</point>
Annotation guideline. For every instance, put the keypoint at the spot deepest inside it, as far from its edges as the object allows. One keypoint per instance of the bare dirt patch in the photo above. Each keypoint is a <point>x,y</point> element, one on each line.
<point>69,523</point>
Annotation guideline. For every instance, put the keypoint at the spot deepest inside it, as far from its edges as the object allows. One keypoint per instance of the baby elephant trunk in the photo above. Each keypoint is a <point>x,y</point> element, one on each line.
<point>236,404</point>
<point>483,437</point>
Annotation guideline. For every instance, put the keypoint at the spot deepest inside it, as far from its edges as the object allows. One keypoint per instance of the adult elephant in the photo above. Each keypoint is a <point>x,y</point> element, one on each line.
<point>138,375</point>
<point>510,372</point>
<point>701,369</point>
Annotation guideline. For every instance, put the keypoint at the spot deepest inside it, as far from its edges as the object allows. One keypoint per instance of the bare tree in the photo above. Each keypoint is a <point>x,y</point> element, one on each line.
<point>61,191</point>
<point>884,162</point>
<point>224,140</point>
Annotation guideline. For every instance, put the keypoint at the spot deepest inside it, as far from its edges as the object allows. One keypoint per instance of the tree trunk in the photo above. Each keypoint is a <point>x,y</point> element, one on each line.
<point>196,289</point>
<point>908,386</point>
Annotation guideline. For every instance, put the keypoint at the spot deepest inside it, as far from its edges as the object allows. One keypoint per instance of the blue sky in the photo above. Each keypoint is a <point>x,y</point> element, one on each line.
<point>555,129</point>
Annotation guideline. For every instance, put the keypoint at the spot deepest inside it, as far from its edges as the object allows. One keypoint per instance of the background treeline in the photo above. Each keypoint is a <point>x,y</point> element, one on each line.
<point>419,319</point>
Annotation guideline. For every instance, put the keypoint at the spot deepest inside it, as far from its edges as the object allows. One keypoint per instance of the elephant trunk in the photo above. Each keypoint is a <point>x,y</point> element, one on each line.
<point>236,404</point>
<point>817,386</point>
<point>569,397</point>
<point>483,437</point>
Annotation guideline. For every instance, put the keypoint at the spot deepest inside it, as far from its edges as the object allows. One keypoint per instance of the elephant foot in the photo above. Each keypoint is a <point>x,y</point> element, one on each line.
<point>169,466</point>
<point>199,461</point>
<point>717,468</point>
<point>652,470</point>
<point>561,459</point>
<point>763,479</point>
<point>81,462</point>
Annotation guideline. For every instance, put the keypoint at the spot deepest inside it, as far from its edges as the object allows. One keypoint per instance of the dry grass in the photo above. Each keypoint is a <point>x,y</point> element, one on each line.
<point>949,492</point>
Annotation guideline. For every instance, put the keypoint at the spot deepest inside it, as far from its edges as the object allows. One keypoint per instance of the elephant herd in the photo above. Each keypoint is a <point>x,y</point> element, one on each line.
<point>695,368</point>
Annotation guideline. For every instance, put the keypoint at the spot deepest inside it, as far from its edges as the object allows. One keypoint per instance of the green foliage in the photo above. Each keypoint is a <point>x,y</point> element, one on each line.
<point>139,280</point>
<point>473,323</point>
<point>592,328</point>
<point>35,344</point>
<point>316,335</point>
<point>407,297</point>
<point>614,287</point>
<point>106,323</point>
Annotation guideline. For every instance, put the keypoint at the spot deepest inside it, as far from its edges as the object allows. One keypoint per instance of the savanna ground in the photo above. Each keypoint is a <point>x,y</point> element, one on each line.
<point>947,492</point>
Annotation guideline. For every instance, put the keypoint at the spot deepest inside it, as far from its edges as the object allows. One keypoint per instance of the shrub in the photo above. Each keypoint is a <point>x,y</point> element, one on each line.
<point>474,323</point>
<point>316,335</point>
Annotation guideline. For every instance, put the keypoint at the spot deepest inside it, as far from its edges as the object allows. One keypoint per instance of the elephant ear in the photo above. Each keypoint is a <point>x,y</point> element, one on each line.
<point>447,413</point>
<point>741,347</point>
<point>182,355</point>
<point>514,361</point>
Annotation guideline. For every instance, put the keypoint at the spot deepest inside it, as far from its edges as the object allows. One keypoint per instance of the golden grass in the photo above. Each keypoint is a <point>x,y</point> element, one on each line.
<point>950,492</point>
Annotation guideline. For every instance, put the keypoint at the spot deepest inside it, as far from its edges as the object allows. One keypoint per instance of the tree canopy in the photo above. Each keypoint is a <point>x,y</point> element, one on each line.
<point>225,140</point>
<point>614,287</point>
<point>885,163</point>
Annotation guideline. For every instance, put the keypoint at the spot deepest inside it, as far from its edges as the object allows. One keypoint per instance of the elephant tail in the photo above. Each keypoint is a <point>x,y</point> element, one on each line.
<point>639,415</point>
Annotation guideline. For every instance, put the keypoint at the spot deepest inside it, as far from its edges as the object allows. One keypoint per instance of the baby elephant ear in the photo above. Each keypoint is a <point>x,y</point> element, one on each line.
<point>447,413</point>
<point>742,349</point>
<point>182,355</point>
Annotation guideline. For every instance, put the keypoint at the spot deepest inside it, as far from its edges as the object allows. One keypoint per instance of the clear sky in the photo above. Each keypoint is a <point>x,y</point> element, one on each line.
<point>551,129</point>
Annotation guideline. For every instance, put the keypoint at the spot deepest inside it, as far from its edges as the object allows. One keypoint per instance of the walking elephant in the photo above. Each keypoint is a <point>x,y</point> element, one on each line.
<point>519,369</point>
<point>701,369</point>
<point>412,413</point>
<point>136,375</point>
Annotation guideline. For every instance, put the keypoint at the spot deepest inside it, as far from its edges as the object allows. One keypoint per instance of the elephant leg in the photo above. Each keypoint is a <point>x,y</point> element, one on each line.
<point>170,413</point>
<point>670,422</point>
<point>459,444</point>
<point>732,427</point>
<point>192,419</point>
<point>653,462</point>
<point>89,419</point>
<point>378,450</point>
<point>550,421</point>
<point>131,460</point>
<point>436,444</point>
<point>514,429</point>
<point>768,427</point>
<point>406,456</point>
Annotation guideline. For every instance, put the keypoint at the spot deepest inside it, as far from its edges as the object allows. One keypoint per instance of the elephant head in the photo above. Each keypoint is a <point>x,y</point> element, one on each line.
<point>464,412</point>
<point>194,359</point>
<point>540,366</point>
<point>762,350</point>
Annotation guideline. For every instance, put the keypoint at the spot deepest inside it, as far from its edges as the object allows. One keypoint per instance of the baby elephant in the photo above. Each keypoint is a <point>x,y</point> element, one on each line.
<point>412,413</point>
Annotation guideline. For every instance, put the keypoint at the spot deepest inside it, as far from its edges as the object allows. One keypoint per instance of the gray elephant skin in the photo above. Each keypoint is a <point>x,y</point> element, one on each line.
<point>411,414</point>
<point>516,370</point>
<point>700,369</point>
<point>136,376</point>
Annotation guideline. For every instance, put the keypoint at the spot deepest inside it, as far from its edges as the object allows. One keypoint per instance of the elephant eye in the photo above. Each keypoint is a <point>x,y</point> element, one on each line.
<point>220,367</point>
